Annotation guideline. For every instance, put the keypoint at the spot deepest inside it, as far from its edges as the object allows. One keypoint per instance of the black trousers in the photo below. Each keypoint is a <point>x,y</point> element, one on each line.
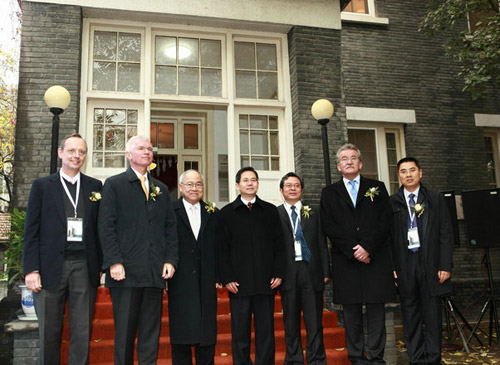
<point>422,316</point>
<point>262,308</point>
<point>375,326</point>
<point>49,306</point>
<point>136,310</point>
<point>182,354</point>
<point>303,299</point>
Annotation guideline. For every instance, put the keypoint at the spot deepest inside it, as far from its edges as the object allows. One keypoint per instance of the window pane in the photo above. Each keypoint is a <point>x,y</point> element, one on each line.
<point>211,82</point>
<point>364,139</point>
<point>275,163</point>
<point>392,156</point>
<point>260,163</point>
<point>244,142</point>
<point>165,80</point>
<point>273,122</point>
<point>166,135</point>
<point>115,116</point>
<point>129,77</point>
<point>258,121</point>
<point>131,132</point>
<point>357,6</point>
<point>98,115</point>
<point>244,55</point>
<point>191,136</point>
<point>188,52</point>
<point>97,159</point>
<point>266,57</point>
<point>390,140</point>
<point>104,76</point>
<point>114,160</point>
<point>188,81</point>
<point>129,47</point>
<point>132,116</point>
<point>153,134</point>
<point>115,138</point>
<point>245,161</point>
<point>210,53</point>
<point>275,148</point>
<point>268,85</point>
<point>98,137</point>
<point>166,50</point>
<point>243,121</point>
<point>105,46</point>
<point>258,143</point>
<point>245,84</point>
<point>190,165</point>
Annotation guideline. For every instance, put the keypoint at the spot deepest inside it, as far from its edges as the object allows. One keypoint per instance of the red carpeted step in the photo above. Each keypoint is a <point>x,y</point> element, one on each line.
<point>101,346</point>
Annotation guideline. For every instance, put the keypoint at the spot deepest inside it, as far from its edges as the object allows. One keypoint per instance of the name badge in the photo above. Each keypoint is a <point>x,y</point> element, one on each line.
<point>413,240</point>
<point>75,229</point>
<point>298,251</point>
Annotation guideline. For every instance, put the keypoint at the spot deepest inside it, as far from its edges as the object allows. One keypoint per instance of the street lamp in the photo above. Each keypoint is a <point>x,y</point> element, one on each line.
<point>57,98</point>
<point>322,111</point>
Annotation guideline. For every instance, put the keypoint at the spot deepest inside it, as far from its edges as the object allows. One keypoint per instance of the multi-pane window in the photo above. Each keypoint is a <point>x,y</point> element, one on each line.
<point>188,66</point>
<point>491,162</point>
<point>259,141</point>
<point>364,139</point>
<point>392,160</point>
<point>116,61</point>
<point>112,129</point>
<point>357,6</point>
<point>256,70</point>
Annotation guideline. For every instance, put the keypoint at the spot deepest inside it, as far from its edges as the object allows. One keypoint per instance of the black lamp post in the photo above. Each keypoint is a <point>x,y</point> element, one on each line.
<point>322,111</point>
<point>57,98</point>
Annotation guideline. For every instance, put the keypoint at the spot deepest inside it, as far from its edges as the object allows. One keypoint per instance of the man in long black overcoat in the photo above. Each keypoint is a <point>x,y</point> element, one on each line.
<point>192,293</point>
<point>356,217</point>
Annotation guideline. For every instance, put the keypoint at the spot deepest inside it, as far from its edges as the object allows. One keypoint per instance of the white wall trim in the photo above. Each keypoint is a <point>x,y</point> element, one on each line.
<point>406,116</point>
<point>349,17</point>
<point>487,120</point>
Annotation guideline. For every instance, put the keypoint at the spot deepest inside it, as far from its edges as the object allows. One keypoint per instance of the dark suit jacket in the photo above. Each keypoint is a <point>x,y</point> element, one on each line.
<point>250,246</point>
<point>46,228</point>
<point>368,225</point>
<point>319,266</point>
<point>436,239</point>
<point>192,296</point>
<point>141,234</point>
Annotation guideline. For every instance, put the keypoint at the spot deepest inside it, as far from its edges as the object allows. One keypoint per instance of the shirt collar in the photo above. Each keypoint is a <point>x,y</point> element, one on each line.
<point>407,194</point>
<point>138,174</point>
<point>188,205</point>
<point>288,207</point>
<point>71,180</point>
<point>348,186</point>
<point>246,201</point>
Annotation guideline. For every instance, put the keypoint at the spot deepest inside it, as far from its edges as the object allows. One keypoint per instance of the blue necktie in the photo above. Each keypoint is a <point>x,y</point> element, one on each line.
<point>299,236</point>
<point>412,219</point>
<point>354,192</point>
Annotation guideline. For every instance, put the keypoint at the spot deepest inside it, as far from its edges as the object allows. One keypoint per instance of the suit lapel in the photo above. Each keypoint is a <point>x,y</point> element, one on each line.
<point>85,194</point>
<point>285,219</point>
<point>58,192</point>
<point>343,193</point>
<point>363,188</point>
<point>422,222</point>
<point>205,216</point>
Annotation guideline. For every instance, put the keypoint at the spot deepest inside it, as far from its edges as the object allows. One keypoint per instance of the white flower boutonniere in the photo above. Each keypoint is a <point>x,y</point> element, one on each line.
<point>418,209</point>
<point>306,211</point>
<point>210,207</point>
<point>96,196</point>
<point>154,191</point>
<point>372,192</point>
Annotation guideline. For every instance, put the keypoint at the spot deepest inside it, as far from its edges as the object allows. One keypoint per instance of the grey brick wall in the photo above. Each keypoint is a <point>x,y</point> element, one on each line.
<point>50,55</point>
<point>26,348</point>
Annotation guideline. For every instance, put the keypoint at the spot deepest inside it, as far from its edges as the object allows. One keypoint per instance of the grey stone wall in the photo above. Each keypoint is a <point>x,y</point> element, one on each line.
<point>50,55</point>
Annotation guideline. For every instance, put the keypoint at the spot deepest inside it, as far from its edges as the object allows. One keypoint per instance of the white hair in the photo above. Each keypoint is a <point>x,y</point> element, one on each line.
<point>183,175</point>
<point>133,141</point>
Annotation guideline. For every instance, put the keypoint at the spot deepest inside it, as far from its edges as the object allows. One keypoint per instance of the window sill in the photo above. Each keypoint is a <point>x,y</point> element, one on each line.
<point>363,18</point>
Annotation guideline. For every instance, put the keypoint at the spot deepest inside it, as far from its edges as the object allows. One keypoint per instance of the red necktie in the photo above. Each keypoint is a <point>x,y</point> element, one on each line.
<point>250,206</point>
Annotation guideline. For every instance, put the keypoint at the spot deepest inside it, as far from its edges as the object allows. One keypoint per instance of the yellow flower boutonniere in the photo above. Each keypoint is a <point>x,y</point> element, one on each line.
<point>372,192</point>
<point>306,211</point>
<point>96,196</point>
<point>210,207</point>
<point>154,191</point>
<point>418,209</point>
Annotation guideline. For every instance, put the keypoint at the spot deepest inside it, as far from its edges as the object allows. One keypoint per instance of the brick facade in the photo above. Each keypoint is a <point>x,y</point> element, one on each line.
<point>50,55</point>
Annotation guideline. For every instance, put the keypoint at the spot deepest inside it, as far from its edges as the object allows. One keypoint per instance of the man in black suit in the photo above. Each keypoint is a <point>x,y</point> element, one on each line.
<point>356,216</point>
<point>192,294</point>
<point>62,255</point>
<point>251,266</point>
<point>307,271</point>
<point>138,234</point>
<point>422,253</point>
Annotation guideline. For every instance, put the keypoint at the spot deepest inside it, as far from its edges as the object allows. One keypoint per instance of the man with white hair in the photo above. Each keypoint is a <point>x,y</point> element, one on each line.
<point>137,229</point>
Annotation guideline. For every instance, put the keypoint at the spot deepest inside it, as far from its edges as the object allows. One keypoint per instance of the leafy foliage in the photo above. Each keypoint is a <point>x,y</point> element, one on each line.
<point>13,255</point>
<point>472,32</point>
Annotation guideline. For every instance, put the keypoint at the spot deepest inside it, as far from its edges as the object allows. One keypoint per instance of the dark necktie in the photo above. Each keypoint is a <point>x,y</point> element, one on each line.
<point>299,236</point>
<point>412,218</point>
<point>249,206</point>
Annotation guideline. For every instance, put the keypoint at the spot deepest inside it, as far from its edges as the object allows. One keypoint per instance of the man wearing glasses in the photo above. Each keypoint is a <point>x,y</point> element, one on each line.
<point>251,265</point>
<point>192,294</point>
<point>356,216</point>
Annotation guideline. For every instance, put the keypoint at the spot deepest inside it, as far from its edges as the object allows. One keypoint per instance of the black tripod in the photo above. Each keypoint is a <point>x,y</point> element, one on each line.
<point>452,310</point>
<point>490,302</point>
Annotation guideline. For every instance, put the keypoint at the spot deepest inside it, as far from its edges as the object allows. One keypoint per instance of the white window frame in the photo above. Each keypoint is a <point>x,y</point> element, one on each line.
<point>370,17</point>
<point>495,136</point>
<point>491,125</point>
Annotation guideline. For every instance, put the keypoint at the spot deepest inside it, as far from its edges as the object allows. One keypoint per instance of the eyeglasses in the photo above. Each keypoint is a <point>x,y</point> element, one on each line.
<point>289,186</point>
<point>192,185</point>
<point>142,149</point>
<point>346,159</point>
<point>72,152</point>
<point>246,181</point>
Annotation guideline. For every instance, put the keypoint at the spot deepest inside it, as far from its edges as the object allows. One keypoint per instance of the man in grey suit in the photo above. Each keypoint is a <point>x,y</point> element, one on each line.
<point>422,255</point>
<point>192,294</point>
<point>306,272</point>
<point>61,266</point>
<point>138,233</point>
